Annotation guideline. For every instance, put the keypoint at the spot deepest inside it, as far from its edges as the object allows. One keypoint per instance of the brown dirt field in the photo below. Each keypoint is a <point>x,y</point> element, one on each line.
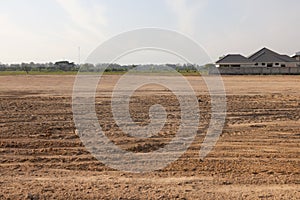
<point>257,156</point>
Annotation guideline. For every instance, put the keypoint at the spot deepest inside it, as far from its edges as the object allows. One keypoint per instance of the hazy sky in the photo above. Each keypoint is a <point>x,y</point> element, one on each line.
<point>51,30</point>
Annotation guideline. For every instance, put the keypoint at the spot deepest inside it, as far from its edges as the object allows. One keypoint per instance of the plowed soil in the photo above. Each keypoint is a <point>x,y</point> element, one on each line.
<point>256,157</point>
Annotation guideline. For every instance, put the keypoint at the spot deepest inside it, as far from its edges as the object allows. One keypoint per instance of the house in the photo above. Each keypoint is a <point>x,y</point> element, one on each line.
<point>297,57</point>
<point>267,58</point>
<point>64,63</point>
<point>234,60</point>
<point>263,58</point>
<point>65,66</point>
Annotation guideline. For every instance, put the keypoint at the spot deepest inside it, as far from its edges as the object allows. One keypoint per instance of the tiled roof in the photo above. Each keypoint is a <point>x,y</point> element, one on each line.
<point>234,58</point>
<point>266,55</point>
<point>262,56</point>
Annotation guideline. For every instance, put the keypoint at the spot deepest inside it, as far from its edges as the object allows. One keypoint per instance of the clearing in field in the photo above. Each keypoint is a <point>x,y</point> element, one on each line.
<point>256,157</point>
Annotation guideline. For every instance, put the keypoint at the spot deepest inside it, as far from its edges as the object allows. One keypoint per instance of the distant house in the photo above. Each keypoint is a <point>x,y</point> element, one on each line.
<point>297,57</point>
<point>234,60</point>
<point>65,65</point>
<point>263,58</point>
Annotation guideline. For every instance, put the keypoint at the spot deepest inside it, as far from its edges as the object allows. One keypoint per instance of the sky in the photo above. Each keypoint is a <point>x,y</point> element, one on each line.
<point>52,30</point>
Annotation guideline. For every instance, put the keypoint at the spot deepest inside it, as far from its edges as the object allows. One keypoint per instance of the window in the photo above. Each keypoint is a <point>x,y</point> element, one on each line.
<point>263,64</point>
<point>283,65</point>
<point>256,64</point>
<point>270,65</point>
<point>276,64</point>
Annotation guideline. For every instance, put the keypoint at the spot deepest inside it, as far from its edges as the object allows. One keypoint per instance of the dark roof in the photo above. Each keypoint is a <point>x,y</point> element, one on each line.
<point>64,63</point>
<point>267,55</point>
<point>297,54</point>
<point>234,58</point>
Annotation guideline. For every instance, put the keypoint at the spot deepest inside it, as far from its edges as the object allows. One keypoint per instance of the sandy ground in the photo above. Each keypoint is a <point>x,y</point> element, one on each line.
<point>256,157</point>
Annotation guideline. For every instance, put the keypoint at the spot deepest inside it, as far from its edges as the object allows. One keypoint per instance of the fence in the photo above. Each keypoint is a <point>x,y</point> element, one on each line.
<point>256,70</point>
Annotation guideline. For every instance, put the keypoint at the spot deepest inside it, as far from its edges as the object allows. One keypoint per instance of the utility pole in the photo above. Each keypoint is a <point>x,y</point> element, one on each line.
<point>79,55</point>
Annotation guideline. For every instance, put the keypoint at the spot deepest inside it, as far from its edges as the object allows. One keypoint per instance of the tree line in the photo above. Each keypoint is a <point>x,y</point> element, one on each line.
<point>66,66</point>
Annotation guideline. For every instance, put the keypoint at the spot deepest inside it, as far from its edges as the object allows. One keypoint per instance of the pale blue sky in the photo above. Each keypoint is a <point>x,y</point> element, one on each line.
<point>51,30</point>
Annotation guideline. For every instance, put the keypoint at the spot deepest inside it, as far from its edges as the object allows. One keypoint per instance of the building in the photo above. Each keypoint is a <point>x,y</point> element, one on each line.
<point>234,60</point>
<point>263,58</point>
<point>65,66</point>
<point>297,57</point>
